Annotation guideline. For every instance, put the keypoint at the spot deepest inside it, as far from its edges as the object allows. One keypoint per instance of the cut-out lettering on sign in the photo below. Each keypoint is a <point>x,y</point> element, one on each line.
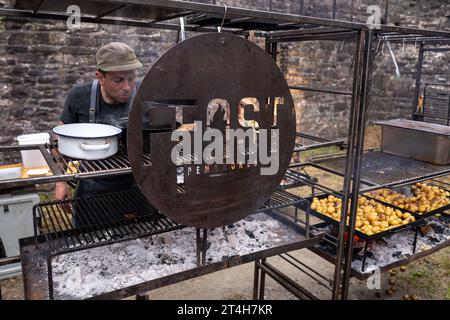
<point>229,132</point>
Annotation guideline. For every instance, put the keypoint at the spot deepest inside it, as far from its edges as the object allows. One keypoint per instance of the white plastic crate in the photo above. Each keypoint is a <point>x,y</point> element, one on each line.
<point>16,221</point>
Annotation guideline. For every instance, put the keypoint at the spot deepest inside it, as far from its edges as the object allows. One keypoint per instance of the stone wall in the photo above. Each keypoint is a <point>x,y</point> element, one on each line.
<point>328,64</point>
<point>41,60</point>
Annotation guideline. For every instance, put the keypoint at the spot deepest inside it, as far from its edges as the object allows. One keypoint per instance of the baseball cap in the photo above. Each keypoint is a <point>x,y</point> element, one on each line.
<point>117,56</point>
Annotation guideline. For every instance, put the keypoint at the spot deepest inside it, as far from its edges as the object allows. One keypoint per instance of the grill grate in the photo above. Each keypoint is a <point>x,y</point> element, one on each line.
<point>280,199</point>
<point>100,220</point>
<point>117,163</point>
<point>110,218</point>
<point>386,169</point>
<point>293,179</point>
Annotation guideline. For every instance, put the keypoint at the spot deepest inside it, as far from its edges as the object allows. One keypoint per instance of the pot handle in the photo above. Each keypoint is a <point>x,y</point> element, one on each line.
<point>95,147</point>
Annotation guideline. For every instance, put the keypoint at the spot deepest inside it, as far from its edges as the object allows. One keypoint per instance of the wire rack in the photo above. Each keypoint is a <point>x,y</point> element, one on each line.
<point>386,169</point>
<point>98,220</point>
<point>103,219</point>
<point>118,163</point>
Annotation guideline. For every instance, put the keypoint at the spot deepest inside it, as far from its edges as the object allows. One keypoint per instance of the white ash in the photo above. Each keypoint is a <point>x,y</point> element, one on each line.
<point>241,238</point>
<point>90,272</point>
<point>399,246</point>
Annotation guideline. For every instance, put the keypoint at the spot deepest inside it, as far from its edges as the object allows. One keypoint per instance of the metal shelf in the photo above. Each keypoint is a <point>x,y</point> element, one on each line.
<point>68,169</point>
<point>117,164</point>
<point>318,142</point>
<point>386,170</point>
<point>281,199</point>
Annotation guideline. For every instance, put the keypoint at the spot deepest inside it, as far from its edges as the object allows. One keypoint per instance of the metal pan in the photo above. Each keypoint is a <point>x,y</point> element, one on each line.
<point>415,214</point>
<point>88,141</point>
<point>358,233</point>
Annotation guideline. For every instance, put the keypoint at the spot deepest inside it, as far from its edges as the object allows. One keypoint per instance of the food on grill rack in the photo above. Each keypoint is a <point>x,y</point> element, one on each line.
<point>371,216</point>
<point>72,167</point>
<point>425,198</point>
<point>37,172</point>
<point>55,218</point>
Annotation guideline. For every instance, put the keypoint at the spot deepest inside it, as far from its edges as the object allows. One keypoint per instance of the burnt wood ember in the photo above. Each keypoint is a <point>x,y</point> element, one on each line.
<point>424,229</point>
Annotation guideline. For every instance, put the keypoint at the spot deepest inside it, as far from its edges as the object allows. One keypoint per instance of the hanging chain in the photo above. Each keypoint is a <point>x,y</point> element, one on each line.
<point>374,52</point>
<point>284,58</point>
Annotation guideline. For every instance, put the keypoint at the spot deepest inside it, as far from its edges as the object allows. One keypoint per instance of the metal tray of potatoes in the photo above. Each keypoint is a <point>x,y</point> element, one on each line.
<point>406,190</point>
<point>358,233</point>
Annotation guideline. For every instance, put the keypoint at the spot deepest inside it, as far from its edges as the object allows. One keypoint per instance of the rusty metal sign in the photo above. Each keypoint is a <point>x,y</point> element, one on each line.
<point>230,130</point>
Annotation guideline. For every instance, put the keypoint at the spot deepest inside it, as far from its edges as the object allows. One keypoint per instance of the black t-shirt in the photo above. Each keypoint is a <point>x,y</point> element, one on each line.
<point>76,107</point>
<point>76,110</point>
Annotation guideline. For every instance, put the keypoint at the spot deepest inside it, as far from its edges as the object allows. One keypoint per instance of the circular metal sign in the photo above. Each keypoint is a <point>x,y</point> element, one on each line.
<point>221,123</point>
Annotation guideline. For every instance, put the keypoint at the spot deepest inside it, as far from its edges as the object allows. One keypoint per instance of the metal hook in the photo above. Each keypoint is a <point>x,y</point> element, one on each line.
<point>378,45</point>
<point>342,45</point>
<point>397,70</point>
<point>219,29</point>
<point>382,49</point>
<point>182,29</point>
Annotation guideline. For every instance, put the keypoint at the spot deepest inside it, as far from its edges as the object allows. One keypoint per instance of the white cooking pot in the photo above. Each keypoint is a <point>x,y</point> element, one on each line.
<point>88,141</point>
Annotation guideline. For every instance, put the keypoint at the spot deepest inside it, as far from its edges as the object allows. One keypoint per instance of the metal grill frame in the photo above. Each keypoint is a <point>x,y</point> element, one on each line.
<point>302,28</point>
<point>94,235</point>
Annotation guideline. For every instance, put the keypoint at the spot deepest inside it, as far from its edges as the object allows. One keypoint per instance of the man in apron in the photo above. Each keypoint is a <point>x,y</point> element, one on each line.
<point>104,100</point>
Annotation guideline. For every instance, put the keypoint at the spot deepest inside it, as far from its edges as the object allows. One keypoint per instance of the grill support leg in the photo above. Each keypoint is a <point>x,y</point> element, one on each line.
<point>205,235</point>
<point>256,280</point>
<point>142,296</point>
<point>351,185</point>
<point>307,220</point>
<point>262,283</point>
<point>201,246</point>
<point>35,228</point>
<point>366,245</point>
<point>415,239</point>
<point>296,214</point>
<point>198,247</point>
<point>50,278</point>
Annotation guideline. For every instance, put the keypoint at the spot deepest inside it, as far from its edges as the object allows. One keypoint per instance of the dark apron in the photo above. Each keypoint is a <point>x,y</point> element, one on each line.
<point>97,186</point>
